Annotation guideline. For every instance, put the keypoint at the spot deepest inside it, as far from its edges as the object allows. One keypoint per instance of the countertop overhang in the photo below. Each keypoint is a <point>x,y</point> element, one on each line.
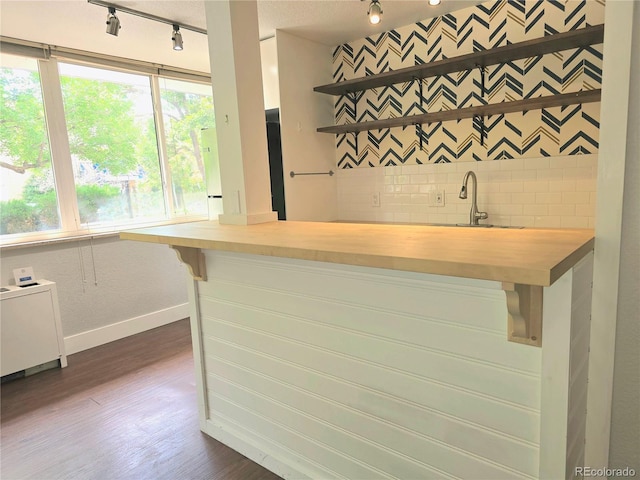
<point>530,256</point>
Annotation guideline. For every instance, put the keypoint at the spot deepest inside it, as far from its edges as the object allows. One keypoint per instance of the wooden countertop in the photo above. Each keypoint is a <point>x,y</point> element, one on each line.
<point>529,256</point>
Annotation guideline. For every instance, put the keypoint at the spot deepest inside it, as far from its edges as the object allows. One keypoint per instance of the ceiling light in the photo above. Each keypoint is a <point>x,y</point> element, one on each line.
<point>434,2</point>
<point>375,12</point>
<point>176,36</point>
<point>113,23</point>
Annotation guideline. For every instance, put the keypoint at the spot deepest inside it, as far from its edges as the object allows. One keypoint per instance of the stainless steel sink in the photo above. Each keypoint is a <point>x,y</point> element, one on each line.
<point>481,225</point>
<point>487,225</point>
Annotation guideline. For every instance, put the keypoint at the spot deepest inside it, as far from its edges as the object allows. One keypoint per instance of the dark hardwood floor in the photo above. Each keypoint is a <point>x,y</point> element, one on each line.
<point>125,410</point>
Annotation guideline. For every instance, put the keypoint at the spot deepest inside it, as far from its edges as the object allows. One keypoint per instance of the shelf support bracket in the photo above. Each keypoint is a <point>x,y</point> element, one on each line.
<point>524,306</point>
<point>193,258</point>
<point>420,96</point>
<point>354,98</point>
<point>482,72</point>
<point>483,133</point>
<point>482,92</point>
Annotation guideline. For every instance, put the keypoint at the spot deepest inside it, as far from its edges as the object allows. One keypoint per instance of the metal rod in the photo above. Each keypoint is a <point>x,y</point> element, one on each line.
<point>148,16</point>
<point>294,174</point>
<point>93,260</point>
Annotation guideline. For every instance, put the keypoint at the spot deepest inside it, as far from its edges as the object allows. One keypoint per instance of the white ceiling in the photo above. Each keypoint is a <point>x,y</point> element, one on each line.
<point>78,24</point>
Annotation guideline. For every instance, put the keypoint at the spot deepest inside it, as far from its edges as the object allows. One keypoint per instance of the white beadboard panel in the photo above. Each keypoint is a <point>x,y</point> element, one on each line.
<point>436,419</point>
<point>371,382</point>
<point>390,464</point>
<point>388,290</point>
<point>253,446</point>
<point>556,340</point>
<point>289,445</point>
<point>482,379</point>
<point>385,436</point>
<point>437,335</point>
<point>576,437</point>
<point>358,370</point>
<point>583,280</point>
<point>579,363</point>
<point>564,371</point>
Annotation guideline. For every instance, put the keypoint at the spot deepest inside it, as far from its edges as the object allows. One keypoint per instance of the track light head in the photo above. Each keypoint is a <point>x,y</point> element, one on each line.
<point>375,12</point>
<point>113,22</point>
<point>176,37</point>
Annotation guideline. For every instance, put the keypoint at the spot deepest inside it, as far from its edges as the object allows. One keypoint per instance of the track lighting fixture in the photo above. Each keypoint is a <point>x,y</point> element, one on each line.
<point>176,36</point>
<point>113,22</point>
<point>375,12</point>
<point>434,2</point>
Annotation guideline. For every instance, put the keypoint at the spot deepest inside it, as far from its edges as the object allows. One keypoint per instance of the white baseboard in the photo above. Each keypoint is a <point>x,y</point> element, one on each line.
<point>109,333</point>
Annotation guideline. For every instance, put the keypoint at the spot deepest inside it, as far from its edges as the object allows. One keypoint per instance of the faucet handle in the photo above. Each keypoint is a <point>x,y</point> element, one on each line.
<point>482,215</point>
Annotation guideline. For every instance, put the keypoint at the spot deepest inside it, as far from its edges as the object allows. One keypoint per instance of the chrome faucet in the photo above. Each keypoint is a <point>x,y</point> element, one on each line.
<point>474,214</point>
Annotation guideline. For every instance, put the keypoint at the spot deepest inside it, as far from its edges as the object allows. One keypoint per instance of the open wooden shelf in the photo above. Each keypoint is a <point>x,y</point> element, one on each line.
<point>586,96</point>
<point>530,48</point>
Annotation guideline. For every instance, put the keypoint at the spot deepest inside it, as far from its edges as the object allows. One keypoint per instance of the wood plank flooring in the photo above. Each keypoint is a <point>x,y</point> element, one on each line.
<point>125,410</point>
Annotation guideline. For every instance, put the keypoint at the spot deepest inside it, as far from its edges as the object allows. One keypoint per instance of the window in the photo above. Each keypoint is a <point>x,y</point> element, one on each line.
<point>187,108</point>
<point>125,148</point>
<point>28,200</point>
<point>112,141</point>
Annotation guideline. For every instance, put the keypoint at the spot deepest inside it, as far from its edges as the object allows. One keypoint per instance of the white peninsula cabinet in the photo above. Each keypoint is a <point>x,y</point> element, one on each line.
<point>357,351</point>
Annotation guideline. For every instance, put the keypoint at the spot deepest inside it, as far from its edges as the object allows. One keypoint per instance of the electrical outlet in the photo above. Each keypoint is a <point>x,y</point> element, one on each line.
<point>375,200</point>
<point>438,198</point>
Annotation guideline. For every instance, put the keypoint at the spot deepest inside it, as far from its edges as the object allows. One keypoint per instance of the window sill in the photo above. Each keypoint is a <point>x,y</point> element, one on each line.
<point>64,237</point>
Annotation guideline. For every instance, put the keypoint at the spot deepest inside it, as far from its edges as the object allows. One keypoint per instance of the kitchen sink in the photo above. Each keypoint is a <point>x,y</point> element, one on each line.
<point>467,225</point>
<point>482,225</point>
<point>485,225</point>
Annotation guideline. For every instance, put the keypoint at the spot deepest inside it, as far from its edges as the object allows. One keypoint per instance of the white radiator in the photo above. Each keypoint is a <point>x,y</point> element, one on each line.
<point>30,332</point>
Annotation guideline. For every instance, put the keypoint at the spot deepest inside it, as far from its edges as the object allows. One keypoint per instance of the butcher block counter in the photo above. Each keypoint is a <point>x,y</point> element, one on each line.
<point>524,256</point>
<point>343,350</point>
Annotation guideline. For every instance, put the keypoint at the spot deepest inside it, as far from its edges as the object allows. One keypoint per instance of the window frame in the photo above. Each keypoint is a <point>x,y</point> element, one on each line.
<point>62,165</point>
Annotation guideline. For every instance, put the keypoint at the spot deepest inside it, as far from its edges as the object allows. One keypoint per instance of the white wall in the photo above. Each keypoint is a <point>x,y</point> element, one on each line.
<point>107,288</point>
<point>269,59</point>
<point>302,65</point>
<point>625,420</point>
<point>617,129</point>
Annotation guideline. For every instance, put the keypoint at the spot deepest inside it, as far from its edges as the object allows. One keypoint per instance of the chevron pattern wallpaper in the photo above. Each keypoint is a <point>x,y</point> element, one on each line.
<point>570,130</point>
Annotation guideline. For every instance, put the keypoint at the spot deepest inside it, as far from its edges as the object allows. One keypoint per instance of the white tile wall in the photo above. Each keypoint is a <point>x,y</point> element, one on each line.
<point>530,192</point>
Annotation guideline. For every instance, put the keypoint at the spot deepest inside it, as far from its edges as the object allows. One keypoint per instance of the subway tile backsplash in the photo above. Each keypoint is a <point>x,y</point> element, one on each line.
<point>529,192</point>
